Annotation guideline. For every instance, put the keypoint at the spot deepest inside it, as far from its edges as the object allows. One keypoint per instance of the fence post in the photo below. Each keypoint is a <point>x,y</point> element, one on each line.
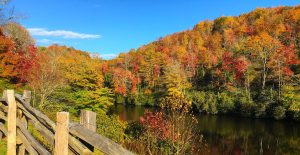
<point>88,120</point>
<point>61,133</point>
<point>11,122</point>
<point>27,96</point>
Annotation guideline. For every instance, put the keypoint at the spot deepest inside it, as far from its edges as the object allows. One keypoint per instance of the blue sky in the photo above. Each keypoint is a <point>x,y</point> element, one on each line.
<point>109,27</point>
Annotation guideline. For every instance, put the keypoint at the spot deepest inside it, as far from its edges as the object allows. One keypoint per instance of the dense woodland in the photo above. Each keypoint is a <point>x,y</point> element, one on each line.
<point>246,66</point>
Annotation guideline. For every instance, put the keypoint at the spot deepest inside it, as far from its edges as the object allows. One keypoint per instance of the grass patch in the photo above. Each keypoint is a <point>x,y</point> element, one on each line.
<point>3,147</point>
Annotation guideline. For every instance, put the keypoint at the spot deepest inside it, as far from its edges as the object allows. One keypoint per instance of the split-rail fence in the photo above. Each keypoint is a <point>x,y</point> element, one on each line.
<point>17,117</point>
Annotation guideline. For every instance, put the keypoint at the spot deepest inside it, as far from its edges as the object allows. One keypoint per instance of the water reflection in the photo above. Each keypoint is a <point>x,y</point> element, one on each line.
<point>231,135</point>
<point>235,136</point>
<point>129,113</point>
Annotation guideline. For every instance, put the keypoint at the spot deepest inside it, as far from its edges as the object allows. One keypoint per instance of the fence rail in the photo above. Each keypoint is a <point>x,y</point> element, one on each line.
<point>62,137</point>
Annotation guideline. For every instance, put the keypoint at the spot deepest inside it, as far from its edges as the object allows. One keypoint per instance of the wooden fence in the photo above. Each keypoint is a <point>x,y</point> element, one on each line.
<point>61,138</point>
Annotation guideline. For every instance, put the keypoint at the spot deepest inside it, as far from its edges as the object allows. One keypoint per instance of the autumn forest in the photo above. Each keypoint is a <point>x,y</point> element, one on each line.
<point>242,66</point>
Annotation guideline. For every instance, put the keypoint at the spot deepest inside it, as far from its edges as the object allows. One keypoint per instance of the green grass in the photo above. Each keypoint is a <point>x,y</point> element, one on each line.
<point>2,147</point>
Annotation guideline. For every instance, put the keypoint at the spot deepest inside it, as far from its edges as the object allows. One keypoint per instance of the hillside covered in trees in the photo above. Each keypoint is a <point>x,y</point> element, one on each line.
<point>247,65</point>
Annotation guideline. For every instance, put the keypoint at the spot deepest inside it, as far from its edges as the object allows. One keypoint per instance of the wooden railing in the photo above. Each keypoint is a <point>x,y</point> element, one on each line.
<point>60,138</point>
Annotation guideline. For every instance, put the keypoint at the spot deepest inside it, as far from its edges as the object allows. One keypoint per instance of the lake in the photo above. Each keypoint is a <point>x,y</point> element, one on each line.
<point>234,135</point>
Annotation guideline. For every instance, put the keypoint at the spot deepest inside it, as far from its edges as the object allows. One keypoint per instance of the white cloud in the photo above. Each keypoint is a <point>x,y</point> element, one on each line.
<point>108,56</point>
<point>44,41</point>
<point>61,33</point>
<point>47,41</point>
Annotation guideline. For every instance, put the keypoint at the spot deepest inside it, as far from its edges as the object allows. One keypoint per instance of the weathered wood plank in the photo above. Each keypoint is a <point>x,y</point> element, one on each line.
<point>23,118</point>
<point>43,122</point>
<point>98,141</point>
<point>74,144</point>
<point>39,115</point>
<point>33,117</point>
<point>62,133</point>
<point>27,135</point>
<point>32,141</point>
<point>47,132</point>
<point>3,116</point>
<point>3,130</point>
<point>22,149</point>
<point>24,121</point>
<point>11,122</point>
<point>77,147</point>
<point>26,143</point>
<point>3,107</point>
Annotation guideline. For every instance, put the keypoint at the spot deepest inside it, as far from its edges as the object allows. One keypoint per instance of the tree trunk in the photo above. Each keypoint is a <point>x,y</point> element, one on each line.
<point>264,72</point>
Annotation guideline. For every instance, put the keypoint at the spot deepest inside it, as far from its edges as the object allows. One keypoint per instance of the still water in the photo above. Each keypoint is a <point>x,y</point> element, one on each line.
<point>233,135</point>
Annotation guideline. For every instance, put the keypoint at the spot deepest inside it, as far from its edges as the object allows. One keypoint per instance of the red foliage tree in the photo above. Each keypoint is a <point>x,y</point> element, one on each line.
<point>156,123</point>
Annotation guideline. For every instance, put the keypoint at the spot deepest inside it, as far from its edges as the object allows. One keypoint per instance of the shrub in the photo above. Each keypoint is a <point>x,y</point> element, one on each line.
<point>99,100</point>
<point>141,99</point>
<point>145,99</point>
<point>279,112</point>
<point>260,110</point>
<point>225,102</point>
<point>291,100</point>
<point>5,84</point>
<point>198,99</point>
<point>245,105</point>
<point>134,130</point>
<point>156,123</point>
<point>175,101</point>
<point>119,99</point>
<point>111,127</point>
<point>296,115</point>
<point>265,100</point>
<point>171,133</point>
<point>211,103</point>
<point>205,101</point>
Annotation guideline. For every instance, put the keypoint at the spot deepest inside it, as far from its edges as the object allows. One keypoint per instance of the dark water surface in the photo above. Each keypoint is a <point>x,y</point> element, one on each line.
<point>234,135</point>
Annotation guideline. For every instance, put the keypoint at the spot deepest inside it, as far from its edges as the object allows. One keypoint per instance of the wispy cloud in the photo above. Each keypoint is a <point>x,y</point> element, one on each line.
<point>108,56</point>
<point>47,41</point>
<point>61,33</point>
<point>44,41</point>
